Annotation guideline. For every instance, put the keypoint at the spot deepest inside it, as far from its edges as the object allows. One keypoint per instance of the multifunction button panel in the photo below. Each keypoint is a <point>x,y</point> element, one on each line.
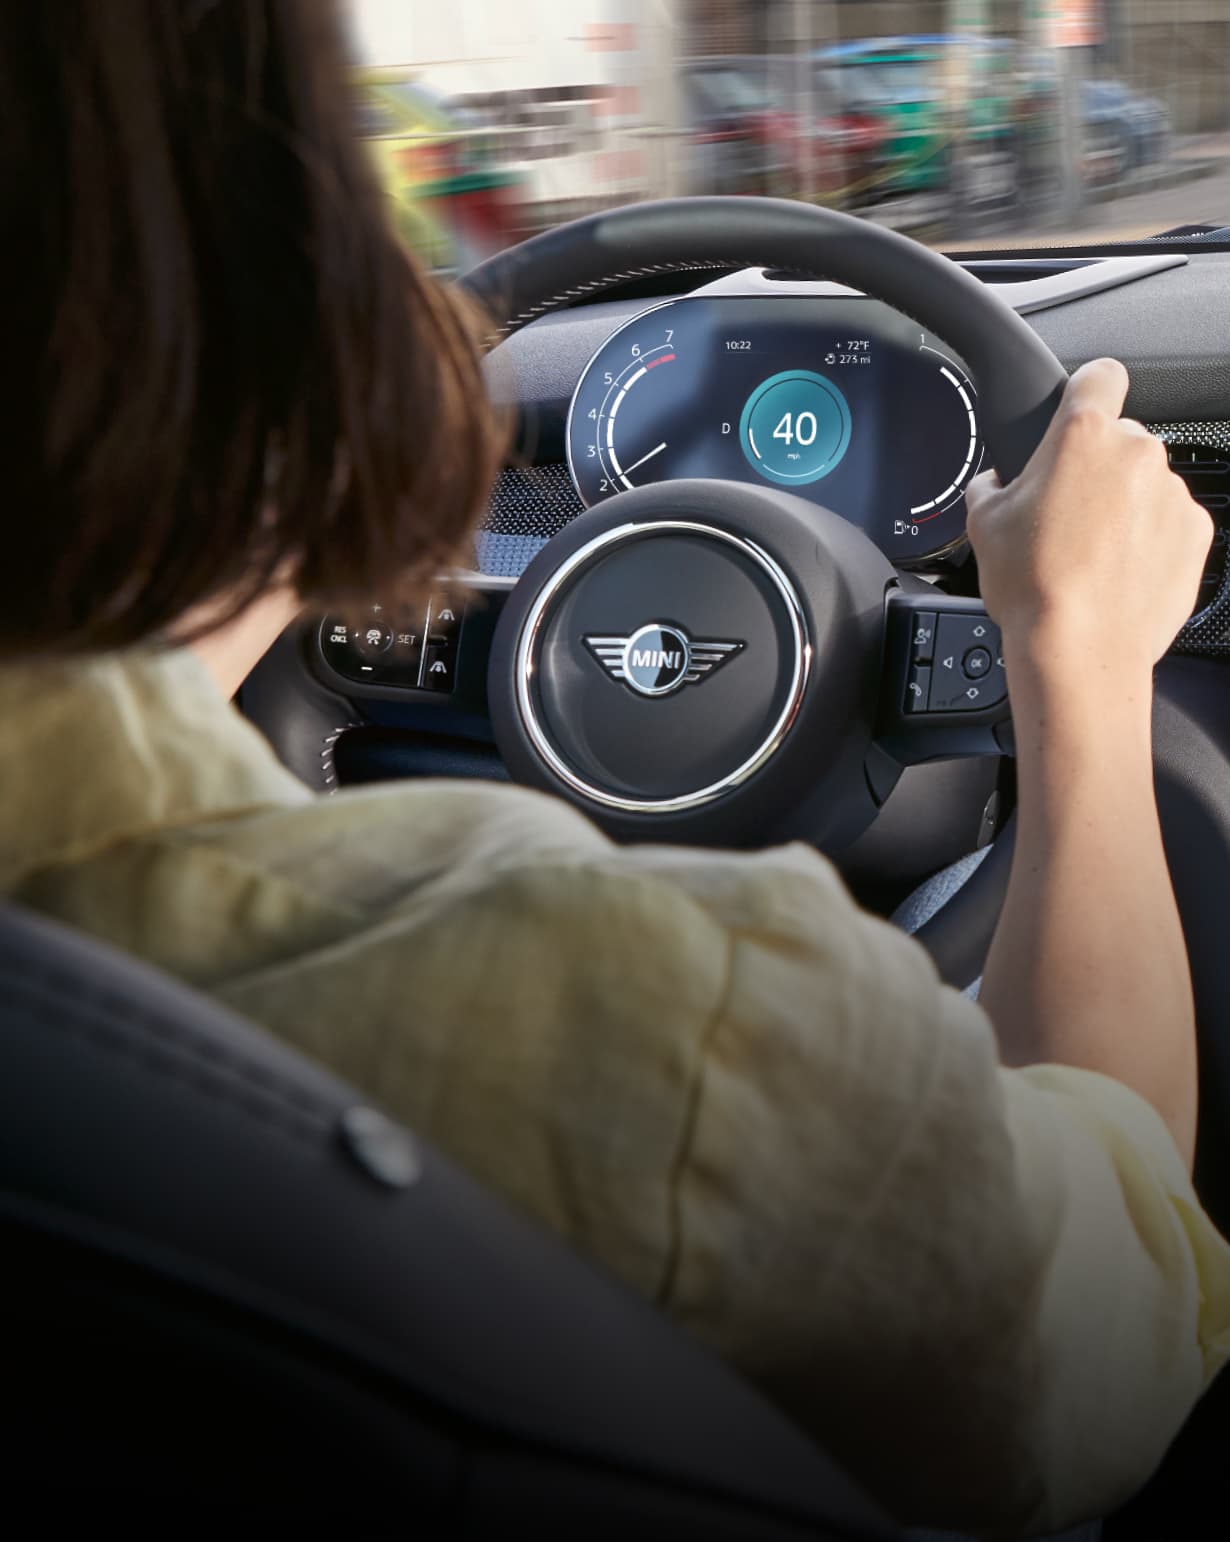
<point>415,653</point>
<point>956,663</point>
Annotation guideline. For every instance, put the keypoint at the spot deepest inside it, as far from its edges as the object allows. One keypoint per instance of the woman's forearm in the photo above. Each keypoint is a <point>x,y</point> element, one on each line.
<point>1088,966</point>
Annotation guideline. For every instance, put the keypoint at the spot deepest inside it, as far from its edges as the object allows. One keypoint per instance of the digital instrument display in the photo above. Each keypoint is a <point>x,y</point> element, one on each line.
<point>842,400</point>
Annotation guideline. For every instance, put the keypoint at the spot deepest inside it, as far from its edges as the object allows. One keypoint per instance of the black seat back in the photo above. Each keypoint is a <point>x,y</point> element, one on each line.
<point>227,1284</point>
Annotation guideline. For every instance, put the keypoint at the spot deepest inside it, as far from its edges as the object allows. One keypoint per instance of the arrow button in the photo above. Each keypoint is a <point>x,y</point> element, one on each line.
<point>968,677</point>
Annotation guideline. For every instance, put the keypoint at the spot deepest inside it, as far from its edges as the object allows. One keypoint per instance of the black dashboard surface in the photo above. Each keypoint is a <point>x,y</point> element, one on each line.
<point>1171,329</point>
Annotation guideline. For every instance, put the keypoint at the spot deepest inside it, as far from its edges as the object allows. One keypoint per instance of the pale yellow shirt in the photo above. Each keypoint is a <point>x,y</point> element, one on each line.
<point>993,1294</point>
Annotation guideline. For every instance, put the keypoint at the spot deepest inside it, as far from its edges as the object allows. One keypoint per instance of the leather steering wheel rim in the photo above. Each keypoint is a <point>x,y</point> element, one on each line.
<point>1019,380</point>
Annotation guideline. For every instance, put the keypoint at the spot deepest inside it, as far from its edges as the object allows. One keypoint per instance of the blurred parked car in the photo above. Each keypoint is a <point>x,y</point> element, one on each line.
<point>740,136</point>
<point>765,124</point>
<point>905,83</point>
<point>1140,124</point>
<point>892,82</point>
<point>452,201</point>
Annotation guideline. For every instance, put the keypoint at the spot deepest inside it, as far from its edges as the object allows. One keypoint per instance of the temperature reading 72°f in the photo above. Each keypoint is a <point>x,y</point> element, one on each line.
<point>857,351</point>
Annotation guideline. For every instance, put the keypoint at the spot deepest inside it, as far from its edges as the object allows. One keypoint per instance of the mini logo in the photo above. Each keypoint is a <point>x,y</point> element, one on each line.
<point>658,659</point>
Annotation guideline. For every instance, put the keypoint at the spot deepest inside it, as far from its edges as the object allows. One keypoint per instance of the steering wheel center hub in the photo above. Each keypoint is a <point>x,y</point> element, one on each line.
<point>657,663</point>
<point>662,664</point>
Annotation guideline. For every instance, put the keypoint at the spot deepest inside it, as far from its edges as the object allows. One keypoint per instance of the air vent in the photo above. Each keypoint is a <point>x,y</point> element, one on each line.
<point>1206,470</point>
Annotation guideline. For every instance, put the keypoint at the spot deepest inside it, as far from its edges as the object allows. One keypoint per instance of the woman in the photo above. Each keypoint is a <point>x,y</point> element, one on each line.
<point>991,1291</point>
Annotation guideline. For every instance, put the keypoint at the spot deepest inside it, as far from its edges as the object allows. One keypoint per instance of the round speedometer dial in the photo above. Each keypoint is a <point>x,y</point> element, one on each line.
<point>842,400</point>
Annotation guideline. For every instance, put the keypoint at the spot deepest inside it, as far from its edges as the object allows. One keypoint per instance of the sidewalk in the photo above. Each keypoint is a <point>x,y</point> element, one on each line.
<point>1202,147</point>
<point>1173,173</point>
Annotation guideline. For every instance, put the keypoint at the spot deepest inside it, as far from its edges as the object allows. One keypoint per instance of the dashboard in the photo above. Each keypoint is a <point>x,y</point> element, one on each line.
<point>848,403</point>
<point>802,385</point>
<point>840,400</point>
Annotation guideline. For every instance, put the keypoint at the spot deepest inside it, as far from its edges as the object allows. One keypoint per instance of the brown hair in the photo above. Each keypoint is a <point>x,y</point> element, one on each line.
<point>223,365</point>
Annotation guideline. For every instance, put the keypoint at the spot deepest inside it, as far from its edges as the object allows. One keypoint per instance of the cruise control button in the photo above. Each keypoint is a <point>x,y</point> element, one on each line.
<point>373,652</point>
<point>373,639</point>
<point>918,688</point>
<point>977,662</point>
<point>443,619</point>
<point>438,666</point>
<point>406,646</point>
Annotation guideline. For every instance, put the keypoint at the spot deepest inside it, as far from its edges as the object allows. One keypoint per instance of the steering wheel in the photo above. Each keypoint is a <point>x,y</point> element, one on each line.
<point>711,661</point>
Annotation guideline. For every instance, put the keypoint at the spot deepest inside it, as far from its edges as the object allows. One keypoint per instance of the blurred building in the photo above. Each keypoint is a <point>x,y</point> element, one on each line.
<point>740,27</point>
<point>1179,50</point>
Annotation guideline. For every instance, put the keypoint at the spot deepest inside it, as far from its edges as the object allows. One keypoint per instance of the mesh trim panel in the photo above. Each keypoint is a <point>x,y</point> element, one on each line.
<point>529,504</point>
<point>1208,636</point>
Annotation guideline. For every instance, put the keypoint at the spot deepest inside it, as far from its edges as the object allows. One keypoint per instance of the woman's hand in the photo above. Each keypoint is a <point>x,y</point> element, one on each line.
<point>1096,551</point>
<point>1090,561</point>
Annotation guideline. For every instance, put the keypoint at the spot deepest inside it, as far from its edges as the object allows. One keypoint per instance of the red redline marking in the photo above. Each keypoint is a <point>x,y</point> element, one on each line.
<point>665,359</point>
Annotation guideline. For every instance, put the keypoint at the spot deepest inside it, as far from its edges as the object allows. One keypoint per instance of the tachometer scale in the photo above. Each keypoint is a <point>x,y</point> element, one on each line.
<point>631,375</point>
<point>606,454</point>
<point>843,401</point>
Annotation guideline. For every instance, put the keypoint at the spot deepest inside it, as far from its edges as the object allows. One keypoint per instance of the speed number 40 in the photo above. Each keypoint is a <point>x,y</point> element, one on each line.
<point>801,428</point>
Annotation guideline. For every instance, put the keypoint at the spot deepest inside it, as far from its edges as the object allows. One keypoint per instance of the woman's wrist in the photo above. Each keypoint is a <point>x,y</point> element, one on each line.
<point>1061,650</point>
<point>1065,669</point>
<point>1072,710</point>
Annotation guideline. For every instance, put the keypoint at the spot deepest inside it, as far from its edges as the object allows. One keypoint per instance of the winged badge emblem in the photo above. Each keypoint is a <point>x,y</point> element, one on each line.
<point>659,658</point>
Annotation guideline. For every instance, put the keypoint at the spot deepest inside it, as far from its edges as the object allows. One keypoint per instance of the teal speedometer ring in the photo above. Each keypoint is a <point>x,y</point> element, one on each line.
<point>795,428</point>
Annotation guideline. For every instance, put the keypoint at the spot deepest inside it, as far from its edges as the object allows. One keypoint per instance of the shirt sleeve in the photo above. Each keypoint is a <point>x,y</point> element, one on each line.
<point>992,1294</point>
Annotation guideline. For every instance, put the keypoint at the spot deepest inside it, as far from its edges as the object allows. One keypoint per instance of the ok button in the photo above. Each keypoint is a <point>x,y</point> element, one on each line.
<point>977,663</point>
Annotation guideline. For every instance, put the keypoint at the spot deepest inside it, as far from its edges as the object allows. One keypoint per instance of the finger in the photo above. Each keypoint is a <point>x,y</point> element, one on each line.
<point>981,491</point>
<point>1102,383</point>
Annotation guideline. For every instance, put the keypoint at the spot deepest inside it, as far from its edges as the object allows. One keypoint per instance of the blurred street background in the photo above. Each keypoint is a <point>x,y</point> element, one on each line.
<point>966,123</point>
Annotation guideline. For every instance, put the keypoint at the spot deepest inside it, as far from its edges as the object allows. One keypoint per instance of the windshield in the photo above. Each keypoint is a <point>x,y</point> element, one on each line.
<point>967,124</point>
